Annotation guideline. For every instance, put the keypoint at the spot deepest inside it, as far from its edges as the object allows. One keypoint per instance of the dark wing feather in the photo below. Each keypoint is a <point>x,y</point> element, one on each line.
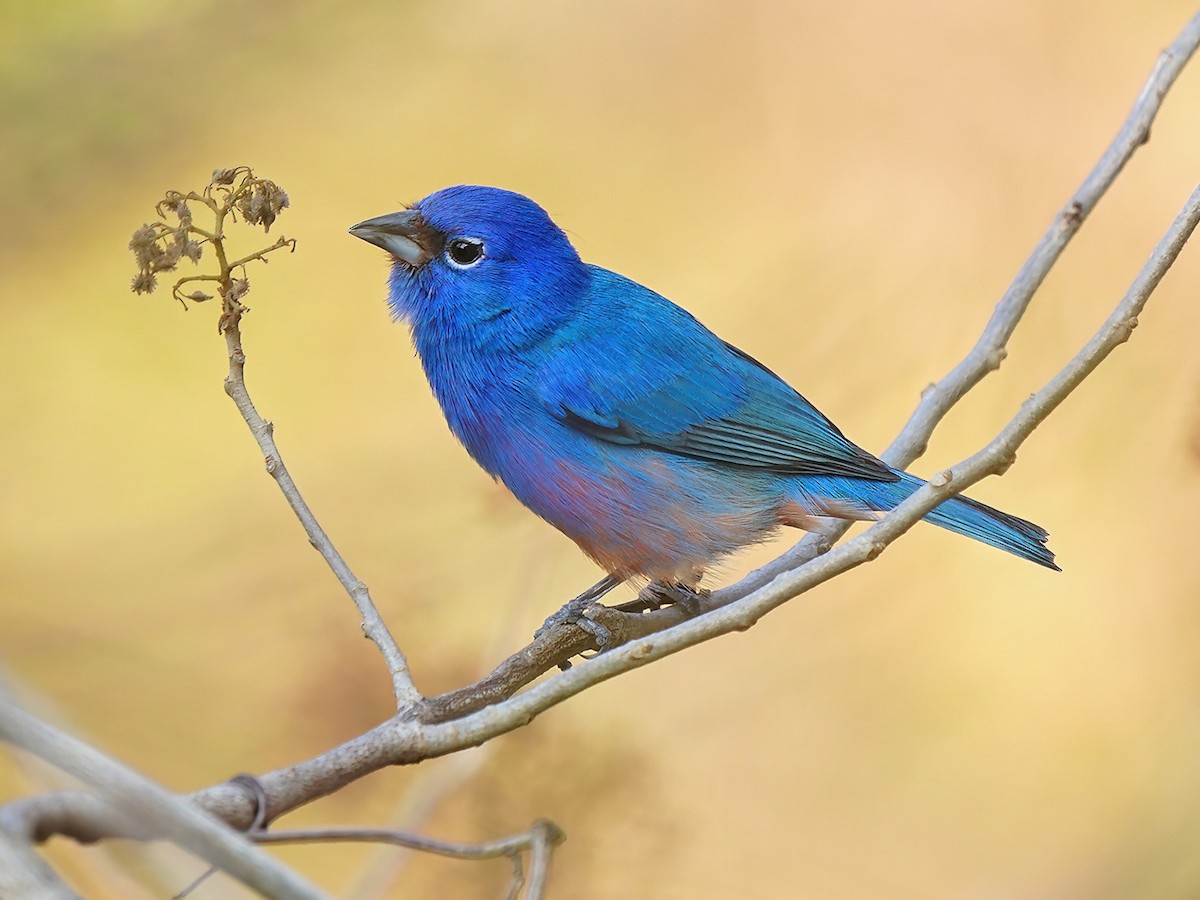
<point>730,410</point>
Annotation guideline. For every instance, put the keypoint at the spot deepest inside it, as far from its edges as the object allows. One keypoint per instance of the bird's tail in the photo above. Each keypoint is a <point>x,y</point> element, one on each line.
<point>857,498</point>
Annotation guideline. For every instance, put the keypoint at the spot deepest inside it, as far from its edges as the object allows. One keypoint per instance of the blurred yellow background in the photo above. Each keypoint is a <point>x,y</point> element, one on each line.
<point>843,190</point>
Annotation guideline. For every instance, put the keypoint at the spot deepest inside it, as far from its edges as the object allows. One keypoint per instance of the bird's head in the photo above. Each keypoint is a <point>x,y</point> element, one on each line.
<point>483,259</point>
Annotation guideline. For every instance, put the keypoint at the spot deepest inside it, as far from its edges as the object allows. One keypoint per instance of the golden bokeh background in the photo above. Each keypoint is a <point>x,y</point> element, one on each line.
<point>844,190</point>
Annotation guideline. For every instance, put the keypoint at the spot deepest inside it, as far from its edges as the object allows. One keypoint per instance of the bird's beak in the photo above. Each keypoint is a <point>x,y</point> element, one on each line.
<point>405,235</point>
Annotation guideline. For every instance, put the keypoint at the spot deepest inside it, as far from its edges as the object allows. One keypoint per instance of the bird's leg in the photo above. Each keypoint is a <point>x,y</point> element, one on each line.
<point>646,601</point>
<point>653,596</point>
<point>572,612</point>
<point>658,594</point>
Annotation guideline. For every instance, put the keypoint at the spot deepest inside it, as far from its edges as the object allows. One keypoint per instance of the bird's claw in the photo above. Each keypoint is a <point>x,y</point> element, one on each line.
<point>600,633</point>
<point>576,613</point>
<point>658,594</point>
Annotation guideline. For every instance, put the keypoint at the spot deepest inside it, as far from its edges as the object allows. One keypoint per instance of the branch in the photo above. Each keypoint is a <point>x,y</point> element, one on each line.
<point>415,807</point>
<point>158,247</point>
<point>539,841</point>
<point>141,807</point>
<point>24,874</point>
<point>992,347</point>
<point>264,434</point>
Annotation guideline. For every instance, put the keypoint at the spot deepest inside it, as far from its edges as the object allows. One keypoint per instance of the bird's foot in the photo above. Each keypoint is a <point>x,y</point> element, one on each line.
<point>575,611</point>
<point>658,594</point>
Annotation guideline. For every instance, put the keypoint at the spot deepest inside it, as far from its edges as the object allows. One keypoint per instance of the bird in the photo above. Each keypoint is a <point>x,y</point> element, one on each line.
<point>616,416</point>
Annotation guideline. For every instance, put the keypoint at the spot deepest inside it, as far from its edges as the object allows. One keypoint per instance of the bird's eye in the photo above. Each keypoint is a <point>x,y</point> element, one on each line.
<point>464,252</point>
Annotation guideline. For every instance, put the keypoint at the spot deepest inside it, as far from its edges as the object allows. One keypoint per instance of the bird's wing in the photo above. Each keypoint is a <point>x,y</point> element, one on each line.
<point>674,386</point>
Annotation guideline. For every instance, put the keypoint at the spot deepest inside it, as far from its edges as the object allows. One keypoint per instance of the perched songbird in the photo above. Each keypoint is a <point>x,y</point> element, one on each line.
<point>612,413</point>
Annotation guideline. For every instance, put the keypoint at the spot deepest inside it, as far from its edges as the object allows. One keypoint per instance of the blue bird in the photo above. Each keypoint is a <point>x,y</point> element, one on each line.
<point>614,414</point>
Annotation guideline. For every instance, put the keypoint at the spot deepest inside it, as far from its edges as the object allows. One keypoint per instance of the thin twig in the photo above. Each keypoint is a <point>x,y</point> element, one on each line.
<point>159,247</point>
<point>506,846</point>
<point>146,808</point>
<point>991,348</point>
<point>373,625</point>
<point>113,864</point>
<point>415,809</point>
<point>546,837</point>
<point>25,874</point>
<point>539,841</point>
<point>429,787</point>
<point>290,243</point>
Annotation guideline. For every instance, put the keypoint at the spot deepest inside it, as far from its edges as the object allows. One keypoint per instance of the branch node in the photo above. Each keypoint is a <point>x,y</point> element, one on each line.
<point>641,651</point>
<point>549,831</point>
<point>1124,329</point>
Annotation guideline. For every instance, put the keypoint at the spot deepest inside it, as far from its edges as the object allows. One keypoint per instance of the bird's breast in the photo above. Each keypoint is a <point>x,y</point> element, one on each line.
<point>482,397</point>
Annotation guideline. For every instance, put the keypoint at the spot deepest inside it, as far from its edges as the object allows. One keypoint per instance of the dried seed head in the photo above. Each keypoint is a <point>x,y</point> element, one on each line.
<point>262,203</point>
<point>169,257</point>
<point>143,282</point>
<point>143,237</point>
<point>224,176</point>
<point>192,250</point>
<point>176,204</point>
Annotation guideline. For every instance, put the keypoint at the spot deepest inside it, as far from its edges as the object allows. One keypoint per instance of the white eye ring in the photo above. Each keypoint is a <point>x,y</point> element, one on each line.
<point>463,253</point>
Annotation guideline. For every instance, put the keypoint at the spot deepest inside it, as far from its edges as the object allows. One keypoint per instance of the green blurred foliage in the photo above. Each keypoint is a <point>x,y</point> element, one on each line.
<point>842,189</point>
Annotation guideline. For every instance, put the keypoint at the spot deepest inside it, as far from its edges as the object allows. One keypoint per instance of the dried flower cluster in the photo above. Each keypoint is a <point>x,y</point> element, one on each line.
<point>159,246</point>
<point>261,203</point>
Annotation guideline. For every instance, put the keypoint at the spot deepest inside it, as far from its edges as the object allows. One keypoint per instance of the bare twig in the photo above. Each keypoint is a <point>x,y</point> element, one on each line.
<point>113,864</point>
<point>158,247</point>
<point>144,808</point>
<point>372,623</point>
<point>416,807</point>
<point>545,837</point>
<point>991,348</point>
<point>24,874</point>
<point>517,843</point>
<point>989,351</point>
<point>539,841</point>
<point>430,786</point>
